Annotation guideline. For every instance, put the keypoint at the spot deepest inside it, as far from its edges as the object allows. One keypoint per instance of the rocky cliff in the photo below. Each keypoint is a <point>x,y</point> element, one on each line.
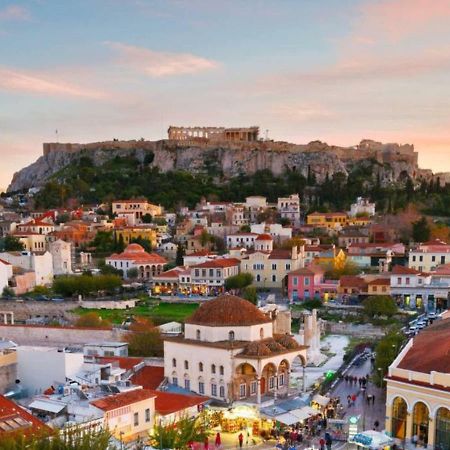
<point>392,161</point>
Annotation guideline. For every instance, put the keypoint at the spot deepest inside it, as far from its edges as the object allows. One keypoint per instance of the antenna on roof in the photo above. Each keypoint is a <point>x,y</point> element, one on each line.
<point>266,134</point>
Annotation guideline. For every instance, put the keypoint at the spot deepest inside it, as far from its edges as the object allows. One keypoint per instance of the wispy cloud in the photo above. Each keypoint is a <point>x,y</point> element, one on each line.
<point>14,13</point>
<point>161,64</point>
<point>12,80</point>
<point>398,19</point>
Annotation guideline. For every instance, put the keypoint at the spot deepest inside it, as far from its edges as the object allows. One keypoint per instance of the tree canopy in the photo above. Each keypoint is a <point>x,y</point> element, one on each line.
<point>144,339</point>
<point>379,305</point>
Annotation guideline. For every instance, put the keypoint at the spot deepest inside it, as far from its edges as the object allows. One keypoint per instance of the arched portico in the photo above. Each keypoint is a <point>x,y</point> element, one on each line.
<point>246,381</point>
<point>421,420</point>
<point>399,417</point>
<point>442,428</point>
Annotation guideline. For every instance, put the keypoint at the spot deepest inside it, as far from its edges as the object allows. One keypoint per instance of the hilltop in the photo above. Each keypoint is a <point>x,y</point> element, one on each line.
<point>227,159</point>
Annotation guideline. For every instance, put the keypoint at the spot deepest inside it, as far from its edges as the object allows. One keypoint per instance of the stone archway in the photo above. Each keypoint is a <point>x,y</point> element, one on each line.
<point>399,414</point>
<point>245,381</point>
<point>421,419</point>
<point>442,433</point>
<point>269,375</point>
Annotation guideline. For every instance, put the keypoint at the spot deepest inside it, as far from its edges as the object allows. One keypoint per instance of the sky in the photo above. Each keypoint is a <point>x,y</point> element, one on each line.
<point>334,70</point>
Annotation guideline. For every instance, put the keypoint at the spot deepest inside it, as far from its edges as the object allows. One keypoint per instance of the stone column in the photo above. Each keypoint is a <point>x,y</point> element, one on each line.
<point>388,420</point>
<point>409,424</point>
<point>275,392</point>
<point>258,390</point>
<point>431,431</point>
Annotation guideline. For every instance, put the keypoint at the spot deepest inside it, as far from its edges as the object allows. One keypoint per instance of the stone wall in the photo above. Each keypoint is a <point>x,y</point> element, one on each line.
<point>57,336</point>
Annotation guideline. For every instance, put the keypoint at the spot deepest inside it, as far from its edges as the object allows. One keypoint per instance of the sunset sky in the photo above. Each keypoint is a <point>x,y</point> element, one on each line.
<point>334,70</point>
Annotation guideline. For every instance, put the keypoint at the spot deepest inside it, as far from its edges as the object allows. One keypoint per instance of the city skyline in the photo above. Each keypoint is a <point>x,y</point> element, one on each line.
<point>338,71</point>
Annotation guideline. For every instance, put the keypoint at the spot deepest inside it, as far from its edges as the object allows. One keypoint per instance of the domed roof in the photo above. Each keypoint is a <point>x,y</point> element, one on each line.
<point>134,248</point>
<point>287,341</point>
<point>264,237</point>
<point>228,310</point>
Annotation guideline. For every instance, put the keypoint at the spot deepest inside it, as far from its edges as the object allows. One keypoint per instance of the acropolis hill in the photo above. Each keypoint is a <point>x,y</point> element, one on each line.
<point>231,151</point>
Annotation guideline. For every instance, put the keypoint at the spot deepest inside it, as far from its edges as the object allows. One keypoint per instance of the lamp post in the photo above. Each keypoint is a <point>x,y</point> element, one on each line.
<point>380,374</point>
<point>303,378</point>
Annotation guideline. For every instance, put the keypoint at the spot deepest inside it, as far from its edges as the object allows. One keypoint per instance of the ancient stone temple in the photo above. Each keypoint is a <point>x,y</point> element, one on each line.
<point>214,134</point>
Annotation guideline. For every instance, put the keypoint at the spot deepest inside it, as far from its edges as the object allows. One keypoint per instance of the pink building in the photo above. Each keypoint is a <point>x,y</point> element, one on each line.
<point>309,282</point>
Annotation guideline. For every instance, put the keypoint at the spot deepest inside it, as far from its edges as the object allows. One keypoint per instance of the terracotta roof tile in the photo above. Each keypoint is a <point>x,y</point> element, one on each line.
<point>126,363</point>
<point>228,310</point>
<point>169,402</point>
<point>149,377</point>
<point>123,399</point>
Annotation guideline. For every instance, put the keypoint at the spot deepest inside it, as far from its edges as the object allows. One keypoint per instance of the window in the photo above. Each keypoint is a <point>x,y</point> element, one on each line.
<point>214,390</point>
<point>271,382</point>
<point>201,387</point>
<point>274,278</point>
<point>442,259</point>
<point>295,281</point>
<point>218,273</point>
<point>198,334</point>
<point>414,258</point>
<point>231,336</point>
<point>222,391</point>
<point>203,273</point>
<point>306,281</point>
<point>242,390</point>
<point>258,277</point>
<point>261,333</point>
<point>174,362</point>
<point>281,379</point>
<point>433,258</point>
<point>213,368</point>
<point>221,370</point>
<point>211,272</point>
<point>197,272</point>
<point>200,367</point>
<point>420,258</point>
<point>288,267</point>
<point>399,280</point>
<point>147,415</point>
<point>175,381</point>
<point>274,267</point>
<point>253,387</point>
<point>187,384</point>
<point>407,280</point>
<point>186,365</point>
<point>136,419</point>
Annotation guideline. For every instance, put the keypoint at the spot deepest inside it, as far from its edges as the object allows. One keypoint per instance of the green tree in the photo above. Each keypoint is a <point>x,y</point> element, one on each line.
<point>70,285</point>
<point>144,339</point>
<point>7,292</point>
<point>147,218</point>
<point>387,350</point>
<point>181,251</point>
<point>145,243</point>
<point>239,281</point>
<point>178,435</point>
<point>92,320</point>
<point>421,230</point>
<point>107,269</point>
<point>12,244</point>
<point>250,294</point>
<point>379,305</point>
<point>75,439</point>
<point>133,273</point>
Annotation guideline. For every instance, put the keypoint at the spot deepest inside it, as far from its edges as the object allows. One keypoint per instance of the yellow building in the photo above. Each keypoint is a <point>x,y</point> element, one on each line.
<point>334,258</point>
<point>130,233</point>
<point>135,208</point>
<point>379,286</point>
<point>32,242</point>
<point>418,389</point>
<point>327,220</point>
<point>128,415</point>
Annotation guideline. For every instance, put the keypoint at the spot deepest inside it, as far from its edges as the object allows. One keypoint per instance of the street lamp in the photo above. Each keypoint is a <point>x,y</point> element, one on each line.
<point>303,378</point>
<point>380,373</point>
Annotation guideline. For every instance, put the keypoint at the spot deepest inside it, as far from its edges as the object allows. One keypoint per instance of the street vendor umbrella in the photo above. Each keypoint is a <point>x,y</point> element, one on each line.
<point>371,439</point>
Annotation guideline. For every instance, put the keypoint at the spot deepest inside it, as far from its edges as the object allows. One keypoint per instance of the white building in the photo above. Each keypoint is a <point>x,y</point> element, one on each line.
<point>135,210</point>
<point>229,352</point>
<point>106,349</point>
<point>427,256</point>
<point>38,368</point>
<point>6,272</point>
<point>242,239</point>
<point>289,208</point>
<point>362,206</point>
<point>276,230</point>
<point>61,252</point>
<point>209,277</point>
<point>40,263</point>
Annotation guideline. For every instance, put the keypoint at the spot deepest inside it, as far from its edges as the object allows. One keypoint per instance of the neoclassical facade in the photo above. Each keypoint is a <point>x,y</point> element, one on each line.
<point>418,389</point>
<point>229,352</point>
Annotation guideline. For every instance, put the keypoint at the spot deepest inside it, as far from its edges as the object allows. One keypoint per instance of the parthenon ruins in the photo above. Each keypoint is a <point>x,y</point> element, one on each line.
<point>214,134</point>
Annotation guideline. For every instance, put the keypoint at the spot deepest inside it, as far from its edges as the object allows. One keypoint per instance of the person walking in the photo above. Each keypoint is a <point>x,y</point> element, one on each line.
<point>328,440</point>
<point>218,441</point>
<point>322,443</point>
<point>376,425</point>
<point>373,399</point>
<point>349,400</point>
<point>241,439</point>
<point>353,399</point>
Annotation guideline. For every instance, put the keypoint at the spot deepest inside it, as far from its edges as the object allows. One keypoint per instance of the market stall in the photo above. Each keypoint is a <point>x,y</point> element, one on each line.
<point>371,439</point>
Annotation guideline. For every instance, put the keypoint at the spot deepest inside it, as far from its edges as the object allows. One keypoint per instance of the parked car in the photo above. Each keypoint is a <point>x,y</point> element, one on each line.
<point>57,299</point>
<point>42,298</point>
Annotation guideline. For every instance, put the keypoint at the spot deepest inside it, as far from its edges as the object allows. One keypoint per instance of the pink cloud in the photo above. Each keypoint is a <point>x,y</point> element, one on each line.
<point>14,13</point>
<point>397,19</point>
<point>161,64</point>
<point>12,80</point>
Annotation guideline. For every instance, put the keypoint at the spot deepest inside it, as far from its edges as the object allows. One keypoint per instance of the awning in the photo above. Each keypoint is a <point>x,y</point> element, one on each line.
<point>42,405</point>
<point>303,413</point>
<point>321,400</point>
<point>371,439</point>
<point>286,418</point>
